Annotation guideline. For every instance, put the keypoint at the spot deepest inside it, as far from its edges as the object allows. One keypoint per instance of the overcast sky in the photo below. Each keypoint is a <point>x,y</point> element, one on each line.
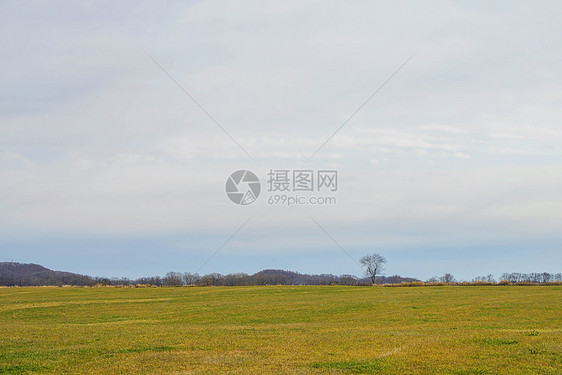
<point>455,165</point>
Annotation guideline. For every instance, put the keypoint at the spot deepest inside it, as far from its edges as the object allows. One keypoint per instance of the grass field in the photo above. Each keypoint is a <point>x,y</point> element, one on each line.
<point>282,330</point>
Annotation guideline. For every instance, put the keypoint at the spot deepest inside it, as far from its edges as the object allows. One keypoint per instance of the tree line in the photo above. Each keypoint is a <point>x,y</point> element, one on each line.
<point>265,277</point>
<point>540,278</point>
<point>513,278</point>
<point>17,274</point>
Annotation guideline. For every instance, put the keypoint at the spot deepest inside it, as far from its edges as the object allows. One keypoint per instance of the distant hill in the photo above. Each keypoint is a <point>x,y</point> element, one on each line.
<point>20,274</point>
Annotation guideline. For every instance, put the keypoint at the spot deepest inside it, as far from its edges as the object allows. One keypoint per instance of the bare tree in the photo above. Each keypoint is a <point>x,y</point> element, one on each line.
<point>191,278</point>
<point>447,278</point>
<point>173,279</point>
<point>374,265</point>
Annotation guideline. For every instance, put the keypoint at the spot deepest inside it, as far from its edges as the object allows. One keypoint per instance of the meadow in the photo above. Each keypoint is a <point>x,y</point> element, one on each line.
<point>282,330</point>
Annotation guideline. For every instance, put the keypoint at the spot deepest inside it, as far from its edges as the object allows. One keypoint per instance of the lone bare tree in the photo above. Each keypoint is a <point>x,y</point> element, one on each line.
<point>374,265</point>
<point>447,278</point>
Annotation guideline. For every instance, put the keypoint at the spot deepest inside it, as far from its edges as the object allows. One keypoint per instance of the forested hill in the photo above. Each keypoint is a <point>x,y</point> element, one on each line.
<point>21,274</point>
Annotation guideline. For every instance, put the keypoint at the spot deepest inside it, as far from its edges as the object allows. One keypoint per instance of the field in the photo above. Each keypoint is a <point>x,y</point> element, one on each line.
<point>282,330</point>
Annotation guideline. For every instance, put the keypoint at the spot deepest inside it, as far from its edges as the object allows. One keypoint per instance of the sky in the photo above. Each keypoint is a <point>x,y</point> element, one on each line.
<point>113,161</point>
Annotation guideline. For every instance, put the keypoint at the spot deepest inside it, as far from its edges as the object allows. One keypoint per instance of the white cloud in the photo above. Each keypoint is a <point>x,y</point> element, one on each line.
<point>442,128</point>
<point>462,155</point>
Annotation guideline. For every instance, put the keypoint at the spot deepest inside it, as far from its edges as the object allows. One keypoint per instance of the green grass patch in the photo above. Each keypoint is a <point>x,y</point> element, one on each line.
<point>22,369</point>
<point>353,367</point>
<point>472,371</point>
<point>147,349</point>
<point>490,341</point>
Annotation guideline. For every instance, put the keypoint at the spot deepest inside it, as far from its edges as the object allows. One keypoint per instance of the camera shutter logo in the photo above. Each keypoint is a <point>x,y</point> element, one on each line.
<point>243,187</point>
